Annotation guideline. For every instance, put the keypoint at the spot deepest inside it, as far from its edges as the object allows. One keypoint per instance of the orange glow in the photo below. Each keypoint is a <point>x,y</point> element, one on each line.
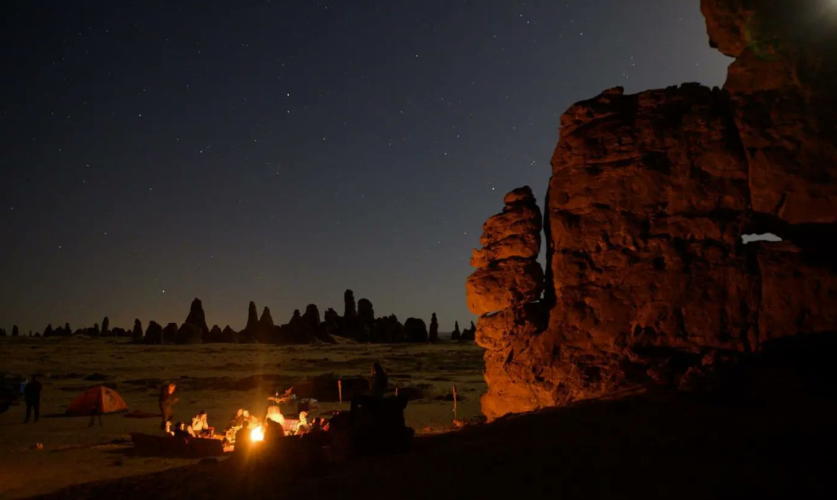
<point>257,434</point>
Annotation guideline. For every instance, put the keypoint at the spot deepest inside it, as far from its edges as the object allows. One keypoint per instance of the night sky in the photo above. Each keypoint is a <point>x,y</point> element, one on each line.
<point>284,151</point>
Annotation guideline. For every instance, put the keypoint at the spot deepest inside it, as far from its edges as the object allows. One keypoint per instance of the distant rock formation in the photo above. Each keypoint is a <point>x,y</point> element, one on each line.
<point>310,324</point>
<point>153,334</point>
<point>649,197</point>
<point>170,333</point>
<point>228,336</point>
<point>264,331</point>
<point>194,329</point>
<point>15,331</point>
<point>136,333</point>
<point>48,331</point>
<point>415,330</point>
<point>349,310</point>
<point>106,327</point>
<point>214,336</point>
<point>434,329</point>
<point>456,335</point>
<point>366,320</point>
<point>469,334</point>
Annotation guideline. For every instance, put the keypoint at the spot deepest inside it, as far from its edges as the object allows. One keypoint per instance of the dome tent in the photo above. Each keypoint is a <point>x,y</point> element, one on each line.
<point>107,399</point>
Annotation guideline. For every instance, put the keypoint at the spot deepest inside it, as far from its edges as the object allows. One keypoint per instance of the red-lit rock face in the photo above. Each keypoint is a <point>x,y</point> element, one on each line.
<point>649,197</point>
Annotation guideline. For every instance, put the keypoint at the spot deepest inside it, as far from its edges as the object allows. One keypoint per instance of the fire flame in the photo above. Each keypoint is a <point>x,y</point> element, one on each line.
<point>257,434</point>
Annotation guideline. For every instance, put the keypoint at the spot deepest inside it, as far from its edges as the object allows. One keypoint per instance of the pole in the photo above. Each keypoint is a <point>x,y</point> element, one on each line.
<point>454,402</point>
<point>340,390</point>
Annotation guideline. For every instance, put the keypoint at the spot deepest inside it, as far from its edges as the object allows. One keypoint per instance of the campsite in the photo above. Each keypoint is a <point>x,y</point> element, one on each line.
<point>215,378</point>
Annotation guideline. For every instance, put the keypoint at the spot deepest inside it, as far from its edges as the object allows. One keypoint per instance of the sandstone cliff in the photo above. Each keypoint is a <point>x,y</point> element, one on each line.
<point>650,194</point>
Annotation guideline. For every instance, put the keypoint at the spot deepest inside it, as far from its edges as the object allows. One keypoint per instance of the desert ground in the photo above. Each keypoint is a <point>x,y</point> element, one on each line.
<point>645,446</point>
<point>217,378</point>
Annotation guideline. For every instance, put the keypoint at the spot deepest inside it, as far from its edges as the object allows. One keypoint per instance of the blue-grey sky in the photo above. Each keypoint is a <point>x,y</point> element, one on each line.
<point>283,151</point>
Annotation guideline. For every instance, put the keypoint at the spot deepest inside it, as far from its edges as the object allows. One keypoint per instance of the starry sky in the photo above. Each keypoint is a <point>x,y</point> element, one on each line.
<point>283,151</point>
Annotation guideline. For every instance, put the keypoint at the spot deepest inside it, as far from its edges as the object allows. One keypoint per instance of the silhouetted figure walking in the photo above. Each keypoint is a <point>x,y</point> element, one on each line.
<point>32,396</point>
<point>167,399</point>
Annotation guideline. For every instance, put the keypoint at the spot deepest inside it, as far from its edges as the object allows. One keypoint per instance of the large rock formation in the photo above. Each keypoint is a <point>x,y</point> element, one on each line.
<point>649,197</point>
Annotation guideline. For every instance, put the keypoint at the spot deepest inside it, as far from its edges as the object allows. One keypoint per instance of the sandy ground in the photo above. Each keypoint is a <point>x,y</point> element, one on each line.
<point>651,446</point>
<point>210,377</point>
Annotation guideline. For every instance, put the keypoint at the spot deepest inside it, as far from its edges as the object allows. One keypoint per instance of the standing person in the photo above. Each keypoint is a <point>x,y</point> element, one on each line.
<point>167,400</point>
<point>32,396</point>
<point>378,384</point>
<point>96,411</point>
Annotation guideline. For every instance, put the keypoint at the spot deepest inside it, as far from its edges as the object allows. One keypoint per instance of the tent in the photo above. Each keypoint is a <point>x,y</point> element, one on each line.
<point>88,400</point>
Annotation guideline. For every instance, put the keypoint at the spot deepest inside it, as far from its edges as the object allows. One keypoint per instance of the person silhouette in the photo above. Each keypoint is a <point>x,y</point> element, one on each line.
<point>32,396</point>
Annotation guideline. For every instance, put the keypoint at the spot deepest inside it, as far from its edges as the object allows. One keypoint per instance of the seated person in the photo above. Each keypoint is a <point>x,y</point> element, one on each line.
<point>237,419</point>
<point>180,430</point>
<point>273,430</point>
<point>302,426</point>
<point>242,437</point>
<point>201,426</point>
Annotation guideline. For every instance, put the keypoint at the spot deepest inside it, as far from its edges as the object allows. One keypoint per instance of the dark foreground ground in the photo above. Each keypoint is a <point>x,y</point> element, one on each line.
<point>647,446</point>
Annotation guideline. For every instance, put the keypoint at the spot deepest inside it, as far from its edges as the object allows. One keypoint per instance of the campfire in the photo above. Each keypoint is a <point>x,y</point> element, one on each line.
<point>257,434</point>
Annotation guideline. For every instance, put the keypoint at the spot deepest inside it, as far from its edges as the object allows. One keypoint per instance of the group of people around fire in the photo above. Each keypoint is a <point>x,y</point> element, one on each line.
<point>242,423</point>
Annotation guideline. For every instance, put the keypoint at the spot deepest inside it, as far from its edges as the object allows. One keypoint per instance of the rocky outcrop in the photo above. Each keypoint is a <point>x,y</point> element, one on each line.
<point>349,308</point>
<point>194,329</point>
<point>153,334</point>
<point>456,334</point>
<point>228,336</point>
<point>106,327</point>
<point>366,319</point>
<point>470,334</point>
<point>170,333</point>
<point>650,194</point>
<point>136,333</point>
<point>508,273</point>
<point>783,99</point>
<point>415,330</point>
